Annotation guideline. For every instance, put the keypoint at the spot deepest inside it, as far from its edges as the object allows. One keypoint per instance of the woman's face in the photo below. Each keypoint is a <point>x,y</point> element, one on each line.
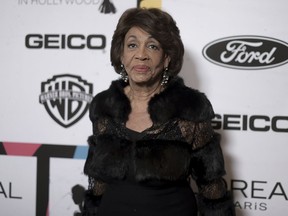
<point>143,57</point>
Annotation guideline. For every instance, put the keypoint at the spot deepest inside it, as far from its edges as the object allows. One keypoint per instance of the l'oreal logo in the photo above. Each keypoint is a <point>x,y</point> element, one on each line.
<point>247,52</point>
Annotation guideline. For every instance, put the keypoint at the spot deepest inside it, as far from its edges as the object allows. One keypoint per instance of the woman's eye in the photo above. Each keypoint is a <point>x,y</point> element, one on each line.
<point>154,47</point>
<point>131,45</point>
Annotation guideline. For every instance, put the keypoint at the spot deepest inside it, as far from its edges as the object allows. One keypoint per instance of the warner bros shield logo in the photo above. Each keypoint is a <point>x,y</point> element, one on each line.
<point>66,98</point>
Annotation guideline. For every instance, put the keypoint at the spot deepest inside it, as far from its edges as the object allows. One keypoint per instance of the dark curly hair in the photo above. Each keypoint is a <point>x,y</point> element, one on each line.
<point>156,22</point>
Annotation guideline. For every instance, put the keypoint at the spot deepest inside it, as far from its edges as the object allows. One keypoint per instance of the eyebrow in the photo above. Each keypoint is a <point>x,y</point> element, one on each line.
<point>135,37</point>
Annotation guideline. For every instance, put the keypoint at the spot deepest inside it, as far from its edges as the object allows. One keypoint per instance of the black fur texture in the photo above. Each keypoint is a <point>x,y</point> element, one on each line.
<point>176,101</point>
<point>208,162</point>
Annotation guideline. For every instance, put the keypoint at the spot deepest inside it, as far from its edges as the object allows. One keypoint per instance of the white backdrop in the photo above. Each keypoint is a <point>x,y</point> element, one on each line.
<point>54,57</point>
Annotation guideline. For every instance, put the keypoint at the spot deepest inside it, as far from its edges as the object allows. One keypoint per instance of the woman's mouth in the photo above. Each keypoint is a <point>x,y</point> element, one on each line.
<point>141,68</point>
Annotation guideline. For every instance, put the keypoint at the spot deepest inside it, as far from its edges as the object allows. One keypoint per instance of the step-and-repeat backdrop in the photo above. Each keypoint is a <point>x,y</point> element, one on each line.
<point>54,57</point>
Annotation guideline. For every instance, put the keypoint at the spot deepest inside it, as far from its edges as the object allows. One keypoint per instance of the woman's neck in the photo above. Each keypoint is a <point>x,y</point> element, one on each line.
<point>139,96</point>
<point>142,94</point>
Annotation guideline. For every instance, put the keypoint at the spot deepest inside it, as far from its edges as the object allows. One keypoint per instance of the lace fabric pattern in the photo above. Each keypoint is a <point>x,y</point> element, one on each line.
<point>97,186</point>
<point>197,134</point>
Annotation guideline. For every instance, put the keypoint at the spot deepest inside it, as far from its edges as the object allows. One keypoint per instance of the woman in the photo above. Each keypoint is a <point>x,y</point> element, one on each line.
<point>151,133</point>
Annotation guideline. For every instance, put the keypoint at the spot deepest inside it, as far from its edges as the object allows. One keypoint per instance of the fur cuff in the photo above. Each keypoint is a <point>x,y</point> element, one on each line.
<point>91,203</point>
<point>219,207</point>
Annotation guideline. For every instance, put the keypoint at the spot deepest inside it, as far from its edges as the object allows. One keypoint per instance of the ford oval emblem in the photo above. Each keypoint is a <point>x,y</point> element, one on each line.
<point>247,52</point>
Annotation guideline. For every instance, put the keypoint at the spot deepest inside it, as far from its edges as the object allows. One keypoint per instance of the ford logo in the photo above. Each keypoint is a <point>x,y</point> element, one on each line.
<point>247,52</point>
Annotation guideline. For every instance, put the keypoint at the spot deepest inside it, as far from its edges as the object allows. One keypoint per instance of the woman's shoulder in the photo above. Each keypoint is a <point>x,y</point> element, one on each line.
<point>111,102</point>
<point>181,101</point>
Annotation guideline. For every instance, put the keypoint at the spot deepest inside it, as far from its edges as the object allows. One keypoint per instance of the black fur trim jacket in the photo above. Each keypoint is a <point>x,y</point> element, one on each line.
<point>180,145</point>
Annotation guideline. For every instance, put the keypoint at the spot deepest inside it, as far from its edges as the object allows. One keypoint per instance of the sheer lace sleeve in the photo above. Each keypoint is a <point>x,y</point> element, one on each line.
<point>207,166</point>
<point>100,126</point>
<point>95,185</point>
<point>198,134</point>
<point>98,187</point>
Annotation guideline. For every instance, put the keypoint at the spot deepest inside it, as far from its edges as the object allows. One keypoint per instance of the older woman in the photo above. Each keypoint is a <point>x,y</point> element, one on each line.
<point>151,133</point>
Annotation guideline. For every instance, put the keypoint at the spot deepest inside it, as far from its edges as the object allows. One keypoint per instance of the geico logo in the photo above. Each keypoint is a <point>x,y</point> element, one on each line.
<point>254,122</point>
<point>62,41</point>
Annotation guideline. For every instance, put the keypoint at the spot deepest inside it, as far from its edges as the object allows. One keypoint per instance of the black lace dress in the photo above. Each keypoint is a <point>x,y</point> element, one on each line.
<point>132,199</point>
<point>148,173</point>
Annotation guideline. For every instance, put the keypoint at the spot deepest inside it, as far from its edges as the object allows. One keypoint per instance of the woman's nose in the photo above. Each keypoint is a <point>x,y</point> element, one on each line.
<point>142,54</point>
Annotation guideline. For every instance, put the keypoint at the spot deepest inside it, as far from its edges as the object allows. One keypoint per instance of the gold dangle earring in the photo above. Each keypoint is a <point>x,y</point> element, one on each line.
<point>123,74</point>
<point>165,77</point>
